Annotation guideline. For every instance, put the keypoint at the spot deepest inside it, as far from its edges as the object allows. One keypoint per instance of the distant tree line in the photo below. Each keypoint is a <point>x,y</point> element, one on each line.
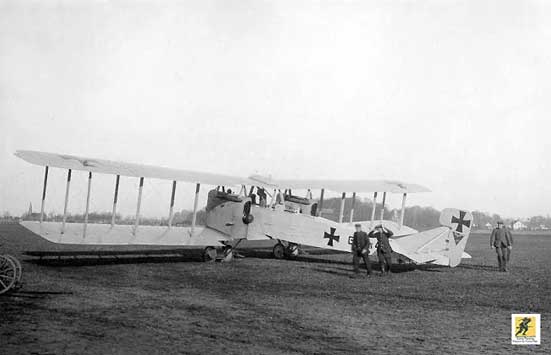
<point>419,217</point>
<point>415,216</point>
<point>182,218</point>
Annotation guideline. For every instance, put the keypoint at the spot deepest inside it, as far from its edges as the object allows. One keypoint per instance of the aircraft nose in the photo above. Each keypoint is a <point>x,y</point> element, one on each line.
<point>248,218</point>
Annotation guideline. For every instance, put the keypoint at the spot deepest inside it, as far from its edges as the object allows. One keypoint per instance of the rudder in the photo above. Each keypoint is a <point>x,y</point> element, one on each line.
<point>460,223</point>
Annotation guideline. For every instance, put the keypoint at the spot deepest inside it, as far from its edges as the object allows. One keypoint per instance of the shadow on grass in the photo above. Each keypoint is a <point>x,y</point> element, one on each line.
<point>314,256</point>
<point>310,257</point>
<point>478,267</point>
<point>376,270</point>
<point>114,260</point>
<point>31,294</point>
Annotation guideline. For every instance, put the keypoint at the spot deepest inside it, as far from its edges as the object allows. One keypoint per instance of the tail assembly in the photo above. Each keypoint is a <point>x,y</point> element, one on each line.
<point>441,246</point>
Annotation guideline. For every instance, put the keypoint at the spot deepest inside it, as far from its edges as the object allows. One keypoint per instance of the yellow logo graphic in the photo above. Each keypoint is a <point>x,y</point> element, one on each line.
<point>525,326</point>
<point>525,329</point>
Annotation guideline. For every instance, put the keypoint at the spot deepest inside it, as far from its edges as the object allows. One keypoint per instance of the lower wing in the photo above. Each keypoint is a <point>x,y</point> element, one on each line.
<point>105,234</point>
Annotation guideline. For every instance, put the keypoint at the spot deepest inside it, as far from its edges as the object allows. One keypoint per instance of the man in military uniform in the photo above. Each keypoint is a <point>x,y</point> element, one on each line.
<point>262,196</point>
<point>384,251</point>
<point>502,240</point>
<point>360,249</point>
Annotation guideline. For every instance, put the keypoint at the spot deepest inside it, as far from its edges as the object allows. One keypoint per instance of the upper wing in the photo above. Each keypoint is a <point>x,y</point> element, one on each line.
<point>138,170</point>
<point>126,169</point>
<point>345,185</point>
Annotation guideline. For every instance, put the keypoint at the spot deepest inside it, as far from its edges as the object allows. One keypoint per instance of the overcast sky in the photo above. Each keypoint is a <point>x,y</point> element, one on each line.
<point>454,95</point>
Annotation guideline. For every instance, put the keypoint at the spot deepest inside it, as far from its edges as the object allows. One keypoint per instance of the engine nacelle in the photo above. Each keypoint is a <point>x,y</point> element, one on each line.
<point>230,216</point>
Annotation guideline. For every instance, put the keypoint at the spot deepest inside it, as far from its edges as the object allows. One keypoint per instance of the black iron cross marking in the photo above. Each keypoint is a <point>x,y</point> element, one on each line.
<point>461,221</point>
<point>331,236</point>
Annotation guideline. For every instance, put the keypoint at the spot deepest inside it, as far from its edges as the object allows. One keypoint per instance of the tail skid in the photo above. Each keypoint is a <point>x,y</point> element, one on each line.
<point>442,245</point>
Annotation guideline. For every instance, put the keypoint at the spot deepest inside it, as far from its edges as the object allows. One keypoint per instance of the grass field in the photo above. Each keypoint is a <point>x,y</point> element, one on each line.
<point>258,305</point>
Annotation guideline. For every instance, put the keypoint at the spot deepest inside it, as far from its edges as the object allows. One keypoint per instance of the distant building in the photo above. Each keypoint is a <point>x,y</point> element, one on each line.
<point>518,225</point>
<point>30,215</point>
<point>489,225</point>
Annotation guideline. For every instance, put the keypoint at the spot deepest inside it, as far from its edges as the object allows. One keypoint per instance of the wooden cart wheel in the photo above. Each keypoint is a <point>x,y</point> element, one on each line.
<point>18,269</point>
<point>7,274</point>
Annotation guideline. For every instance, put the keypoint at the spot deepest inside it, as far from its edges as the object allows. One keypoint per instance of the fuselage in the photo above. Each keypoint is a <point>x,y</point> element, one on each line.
<point>288,224</point>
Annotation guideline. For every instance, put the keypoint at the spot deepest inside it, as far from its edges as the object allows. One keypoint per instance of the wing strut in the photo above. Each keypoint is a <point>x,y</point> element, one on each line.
<point>403,211</point>
<point>115,199</point>
<point>320,205</point>
<point>44,194</point>
<point>194,218</point>
<point>353,205</point>
<point>343,200</point>
<point>171,211</point>
<point>137,221</point>
<point>373,208</point>
<point>383,207</point>
<point>87,205</point>
<point>66,201</point>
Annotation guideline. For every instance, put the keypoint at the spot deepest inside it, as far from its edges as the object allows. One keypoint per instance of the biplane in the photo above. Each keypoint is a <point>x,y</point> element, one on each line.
<point>261,208</point>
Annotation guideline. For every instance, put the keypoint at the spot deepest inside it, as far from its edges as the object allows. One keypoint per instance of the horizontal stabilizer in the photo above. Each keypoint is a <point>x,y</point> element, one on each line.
<point>442,245</point>
<point>423,247</point>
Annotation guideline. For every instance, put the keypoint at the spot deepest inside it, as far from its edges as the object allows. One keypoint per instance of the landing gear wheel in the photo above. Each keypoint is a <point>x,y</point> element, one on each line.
<point>228,253</point>
<point>8,274</point>
<point>209,255</point>
<point>279,251</point>
<point>292,250</point>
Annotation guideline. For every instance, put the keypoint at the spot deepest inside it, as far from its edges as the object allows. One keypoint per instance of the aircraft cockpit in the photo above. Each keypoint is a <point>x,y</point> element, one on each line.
<point>220,195</point>
<point>296,204</point>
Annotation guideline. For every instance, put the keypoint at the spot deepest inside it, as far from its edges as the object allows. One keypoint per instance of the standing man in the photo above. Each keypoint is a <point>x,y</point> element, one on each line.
<point>384,251</point>
<point>502,240</point>
<point>262,196</point>
<point>360,249</point>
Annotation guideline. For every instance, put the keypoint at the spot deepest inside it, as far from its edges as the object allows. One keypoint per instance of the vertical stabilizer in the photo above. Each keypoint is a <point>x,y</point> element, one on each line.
<point>460,223</point>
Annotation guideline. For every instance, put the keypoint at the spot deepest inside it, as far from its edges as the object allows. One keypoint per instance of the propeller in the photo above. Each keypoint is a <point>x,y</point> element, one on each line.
<point>247,216</point>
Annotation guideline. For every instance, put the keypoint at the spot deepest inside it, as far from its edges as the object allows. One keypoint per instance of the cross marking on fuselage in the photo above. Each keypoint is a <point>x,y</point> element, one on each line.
<point>461,221</point>
<point>331,236</point>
